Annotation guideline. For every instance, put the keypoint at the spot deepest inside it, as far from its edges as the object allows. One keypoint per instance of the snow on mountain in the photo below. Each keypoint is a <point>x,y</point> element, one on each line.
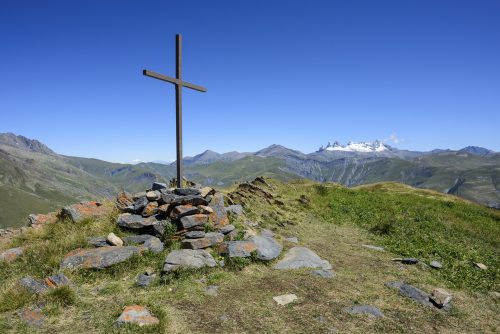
<point>362,147</point>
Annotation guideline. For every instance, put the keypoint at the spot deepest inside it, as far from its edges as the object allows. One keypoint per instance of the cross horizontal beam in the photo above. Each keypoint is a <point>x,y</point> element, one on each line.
<point>173,80</point>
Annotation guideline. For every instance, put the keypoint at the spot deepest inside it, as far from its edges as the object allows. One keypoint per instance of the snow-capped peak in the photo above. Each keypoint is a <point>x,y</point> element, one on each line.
<point>363,147</point>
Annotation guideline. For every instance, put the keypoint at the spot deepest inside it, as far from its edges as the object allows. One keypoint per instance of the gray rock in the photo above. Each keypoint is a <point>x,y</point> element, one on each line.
<point>153,244</point>
<point>219,215</point>
<point>136,223</point>
<point>226,229</point>
<point>153,195</point>
<point>195,234</point>
<point>33,285</point>
<point>323,273</point>
<point>364,309</point>
<point>411,292</point>
<point>58,280</point>
<point>98,241</point>
<point>409,260</point>
<point>187,191</point>
<point>184,210</point>
<point>158,186</point>
<point>293,240</point>
<point>199,243</point>
<point>11,254</point>
<point>188,259</point>
<point>160,227</point>
<point>235,209</point>
<point>211,290</point>
<point>33,316</point>
<point>377,248</point>
<point>136,239</point>
<point>138,195</point>
<point>267,248</point>
<point>237,248</point>
<point>140,204</point>
<point>267,233</point>
<point>183,200</point>
<point>194,220</point>
<point>215,238</point>
<point>138,315</point>
<point>98,258</point>
<point>302,257</point>
<point>144,280</point>
<point>168,198</point>
<point>436,265</point>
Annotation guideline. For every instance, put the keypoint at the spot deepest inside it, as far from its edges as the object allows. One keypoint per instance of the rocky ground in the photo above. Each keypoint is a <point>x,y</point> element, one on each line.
<point>264,257</point>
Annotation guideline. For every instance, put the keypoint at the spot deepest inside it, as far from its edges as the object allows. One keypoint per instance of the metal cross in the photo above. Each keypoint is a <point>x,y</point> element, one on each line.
<point>177,81</point>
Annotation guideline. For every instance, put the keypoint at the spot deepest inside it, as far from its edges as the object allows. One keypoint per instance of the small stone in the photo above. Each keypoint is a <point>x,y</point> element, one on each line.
<point>32,285</point>
<point>285,299</point>
<point>441,297</point>
<point>206,191</point>
<point>364,309</point>
<point>188,259</point>
<point>57,280</point>
<point>411,292</point>
<point>293,240</point>
<point>249,233</point>
<point>158,186</point>
<point>187,192</point>
<point>211,290</point>
<point>153,195</point>
<point>113,240</point>
<point>11,254</point>
<point>145,280</point>
<point>195,234</point>
<point>323,273</point>
<point>138,315</point>
<point>267,248</point>
<point>226,229</point>
<point>214,237</point>
<point>481,266</point>
<point>224,317</point>
<point>302,257</point>
<point>194,220</point>
<point>154,245</point>
<point>205,209</point>
<point>436,265</point>
<point>377,248</point>
<point>237,248</point>
<point>235,209</point>
<point>33,317</point>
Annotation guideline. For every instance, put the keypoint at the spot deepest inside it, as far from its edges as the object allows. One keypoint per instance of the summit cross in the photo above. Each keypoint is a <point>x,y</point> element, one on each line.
<point>177,81</point>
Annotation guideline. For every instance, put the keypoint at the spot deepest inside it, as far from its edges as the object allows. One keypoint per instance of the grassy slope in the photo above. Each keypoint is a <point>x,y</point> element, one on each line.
<point>335,223</point>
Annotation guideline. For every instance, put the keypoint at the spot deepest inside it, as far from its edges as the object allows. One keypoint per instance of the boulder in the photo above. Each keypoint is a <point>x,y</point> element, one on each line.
<point>33,285</point>
<point>114,240</point>
<point>85,210</point>
<point>194,220</point>
<point>188,259</point>
<point>158,186</point>
<point>302,257</point>
<point>98,258</point>
<point>411,292</point>
<point>137,315</point>
<point>183,200</point>
<point>11,254</point>
<point>139,204</point>
<point>267,248</point>
<point>237,248</point>
<point>364,309</point>
<point>219,216</point>
<point>187,191</point>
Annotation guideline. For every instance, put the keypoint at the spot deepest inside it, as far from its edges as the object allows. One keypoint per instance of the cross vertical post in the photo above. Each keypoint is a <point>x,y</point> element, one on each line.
<point>177,81</point>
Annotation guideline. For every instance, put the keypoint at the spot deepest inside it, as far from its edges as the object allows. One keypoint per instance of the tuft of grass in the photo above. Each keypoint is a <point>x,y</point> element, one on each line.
<point>15,297</point>
<point>62,296</point>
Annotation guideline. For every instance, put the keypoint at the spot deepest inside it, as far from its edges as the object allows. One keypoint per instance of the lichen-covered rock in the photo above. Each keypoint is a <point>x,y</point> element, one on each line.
<point>267,248</point>
<point>57,280</point>
<point>33,285</point>
<point>237,248</point>
<point>302,257</point>
<point>194,220</point>
<point>136,223</point>
<point>33,316</point>
<point>188,259</point>
<point>124,202</point>
<point>98,258</point>
<point>11,254</point>
<point>81,211</point>
<point>138,315</point>
<point>150,209</point>
<point>199,243</point>
<point>39,220</point>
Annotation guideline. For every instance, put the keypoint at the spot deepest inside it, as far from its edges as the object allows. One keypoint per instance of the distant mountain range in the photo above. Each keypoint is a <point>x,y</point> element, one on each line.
<point>33,178</point>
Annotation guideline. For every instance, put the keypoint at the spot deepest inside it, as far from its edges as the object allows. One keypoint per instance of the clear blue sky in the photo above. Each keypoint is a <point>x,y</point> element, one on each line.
<point>297,73</point>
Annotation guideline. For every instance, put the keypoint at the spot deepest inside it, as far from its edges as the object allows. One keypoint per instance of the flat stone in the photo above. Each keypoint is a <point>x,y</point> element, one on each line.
<point>114,240</point>
<point>98,241</point>
<point>136,239</point>
<point>377,248</point>
<point>237,248</point>
<point>481,266</point>
<point>85,210</point>
<point>436,265</point>
<point>226,229</point>
<point>150,209</point>
<point>136,223</point>
<point>150,242</point>
<point>411,292</point>
<point>138,315</point>
<point>187,191</point>
<point>57,280</point>
<point>285,299</point>
<point>205,209</point>
<point>267,248</point>
<point>158,186</point>
<point>11,254</point>
<point>194,220</point>
<point>364,309</point>
<point>206,191</point>
<point>195,234</point>
<point>323,273</point>
<point>139,204</point>
<point>214,237</point>
<point>33,285</point>
<point>184,210</point>
<point>188,259</point>
<point>219,216</point>
<point>293,240</point>
<point>33,317</point>
<point>441,297</point>
<point>196,243</point>
<point>211,290</point>
<point>99,258</point>
<point>235,209</point>
<point>302,257</point>
<point>153,195</point>
<point>144,280</point>
<point>183,200</point>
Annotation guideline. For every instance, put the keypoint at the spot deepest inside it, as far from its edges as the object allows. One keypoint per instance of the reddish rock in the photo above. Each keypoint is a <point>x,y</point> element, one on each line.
<point>138,315</point>
<point>194,220</point>
<point>39,220</point>
<point>164,209</point>
<point>11,254</point>
<point>150,209</point>
<point>81,211</point>
<point>124,201</point>
<point>33,317</point>
<point>237,248</point>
